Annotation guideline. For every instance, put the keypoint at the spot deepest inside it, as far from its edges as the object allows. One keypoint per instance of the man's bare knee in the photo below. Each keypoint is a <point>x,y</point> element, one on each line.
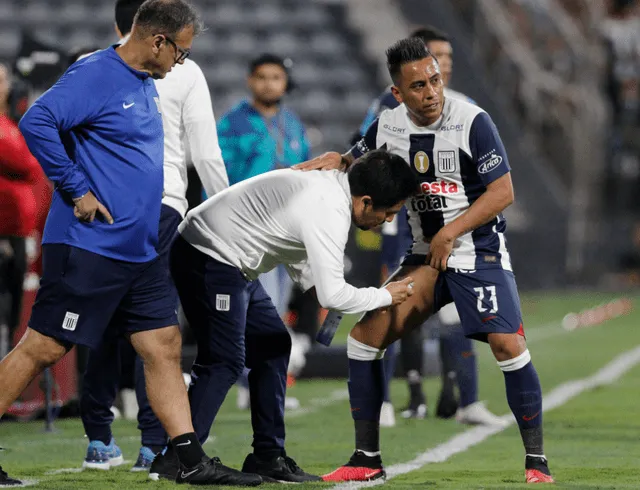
<point>160,345</point>
<point>42,350</point>
<point>507,346</point>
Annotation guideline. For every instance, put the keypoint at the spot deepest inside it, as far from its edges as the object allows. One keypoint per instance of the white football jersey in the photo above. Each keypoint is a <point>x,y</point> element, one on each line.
<point>454,160</point>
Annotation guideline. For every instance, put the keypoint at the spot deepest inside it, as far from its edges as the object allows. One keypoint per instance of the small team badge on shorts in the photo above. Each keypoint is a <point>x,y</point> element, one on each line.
<point>70,321</point>
<point>223,302</point>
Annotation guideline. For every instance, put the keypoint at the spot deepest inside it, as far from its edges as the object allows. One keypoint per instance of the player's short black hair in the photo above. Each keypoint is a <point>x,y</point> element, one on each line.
<point>167,17</point>
<point>430,33</point>
<point>383,176</point>
<point>125,12</point>
<point>405,51</point>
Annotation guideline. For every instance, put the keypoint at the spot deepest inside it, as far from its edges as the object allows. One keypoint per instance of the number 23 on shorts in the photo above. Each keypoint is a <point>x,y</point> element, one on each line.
<point>488,292</point>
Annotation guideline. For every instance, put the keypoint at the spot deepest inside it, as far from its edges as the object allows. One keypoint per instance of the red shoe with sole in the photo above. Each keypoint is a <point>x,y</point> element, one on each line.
<point>537,470</point>
<point>359,468</point>
<point>537,476</point>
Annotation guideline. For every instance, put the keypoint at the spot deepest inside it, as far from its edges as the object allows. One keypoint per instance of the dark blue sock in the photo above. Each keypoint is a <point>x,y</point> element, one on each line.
<point>463,360</point>
<point>524,395</point>
<point>389,361</point>
<point>366,392</point>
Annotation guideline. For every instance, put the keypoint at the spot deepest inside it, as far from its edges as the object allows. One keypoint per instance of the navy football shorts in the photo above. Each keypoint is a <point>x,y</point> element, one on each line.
<point>82,294</point>
<point>487,299</point>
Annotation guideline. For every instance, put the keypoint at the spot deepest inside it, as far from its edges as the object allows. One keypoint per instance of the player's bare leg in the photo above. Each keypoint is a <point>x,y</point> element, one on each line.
<point>365,349</point>
<point>160,350</point>
<point>30,357</point>
<point>524,395</point>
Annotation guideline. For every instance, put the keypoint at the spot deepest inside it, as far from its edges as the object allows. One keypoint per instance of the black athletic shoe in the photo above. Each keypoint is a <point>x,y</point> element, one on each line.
<point>213,472</point>
<point>6,480</point>
<point>447,404</point>
<point>281,469</point>
<point>164,466</point>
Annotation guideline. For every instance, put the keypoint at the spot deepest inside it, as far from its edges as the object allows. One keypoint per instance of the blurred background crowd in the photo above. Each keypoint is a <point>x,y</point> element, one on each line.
<point>561,79</point>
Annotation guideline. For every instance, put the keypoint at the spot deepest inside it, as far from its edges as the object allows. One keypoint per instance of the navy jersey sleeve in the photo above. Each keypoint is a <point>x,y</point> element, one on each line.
<point>487,149</point>
<point>368,141</point>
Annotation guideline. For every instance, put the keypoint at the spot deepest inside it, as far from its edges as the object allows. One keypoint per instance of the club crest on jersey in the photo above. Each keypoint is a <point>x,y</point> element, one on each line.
<point>421,162</point>
<point>446,162</point>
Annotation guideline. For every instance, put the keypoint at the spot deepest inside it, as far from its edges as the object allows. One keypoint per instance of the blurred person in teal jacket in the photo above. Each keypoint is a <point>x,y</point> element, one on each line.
<point>256,136</point>
<point>260,134</point>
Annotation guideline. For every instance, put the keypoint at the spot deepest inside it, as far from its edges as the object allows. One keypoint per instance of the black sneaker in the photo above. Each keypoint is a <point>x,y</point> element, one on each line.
<point>164,466</point>
<point>447,402</point>
<point>6,480</point>
<point>213,472</point>
<point>281,469</point>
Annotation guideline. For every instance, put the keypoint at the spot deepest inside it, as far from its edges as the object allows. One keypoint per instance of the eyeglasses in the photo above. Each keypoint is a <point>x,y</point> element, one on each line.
<point>182,53</point>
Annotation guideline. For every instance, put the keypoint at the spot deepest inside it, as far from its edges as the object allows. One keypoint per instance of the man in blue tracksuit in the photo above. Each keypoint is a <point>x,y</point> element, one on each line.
<point>98,135</point>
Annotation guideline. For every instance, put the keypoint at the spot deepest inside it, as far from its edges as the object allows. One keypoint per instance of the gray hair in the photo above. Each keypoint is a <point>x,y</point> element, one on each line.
<point>167,17</point>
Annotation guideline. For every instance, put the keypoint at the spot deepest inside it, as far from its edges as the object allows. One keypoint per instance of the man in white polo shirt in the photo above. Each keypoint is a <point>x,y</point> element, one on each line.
<point>300,220</point>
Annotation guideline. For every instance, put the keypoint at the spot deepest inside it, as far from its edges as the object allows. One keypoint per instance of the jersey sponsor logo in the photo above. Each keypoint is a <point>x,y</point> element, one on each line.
<point>492,161</point>
<point>446,162</point>
<point>429,203</point>
<point>439,187</point>
<point>452,127</point>
<point>435,196</point>
<point>394,129</point>
<point>421,162</point>
<point>70,321</point>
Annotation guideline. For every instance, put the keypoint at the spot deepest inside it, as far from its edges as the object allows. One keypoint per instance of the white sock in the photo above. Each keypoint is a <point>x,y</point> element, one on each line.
<point>371,454</point>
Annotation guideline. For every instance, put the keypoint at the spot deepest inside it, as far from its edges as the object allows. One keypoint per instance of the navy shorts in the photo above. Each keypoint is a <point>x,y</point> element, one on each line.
<point>83,294</point>
<point>232,318</point>
<point>486,299</point>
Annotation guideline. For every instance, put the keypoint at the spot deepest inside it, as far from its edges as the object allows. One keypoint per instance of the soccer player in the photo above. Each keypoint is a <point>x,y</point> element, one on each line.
<point>298,219</point>
<point>459,364</point>
<point>459,252</point>
<point>98,135</point>
<point>189,127</point>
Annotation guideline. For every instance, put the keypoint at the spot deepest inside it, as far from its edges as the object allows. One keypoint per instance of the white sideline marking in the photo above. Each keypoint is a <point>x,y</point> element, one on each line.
<point>80,470</point>
<point>461,442</point>
<point>315,404</point>
<point>318,403</point>
<point>64,470</point>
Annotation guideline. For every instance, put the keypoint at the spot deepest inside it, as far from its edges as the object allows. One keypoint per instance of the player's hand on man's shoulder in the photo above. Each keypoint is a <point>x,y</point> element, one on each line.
<point>331,160</point>
<point>400,290</point>
<point>87,206</point>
